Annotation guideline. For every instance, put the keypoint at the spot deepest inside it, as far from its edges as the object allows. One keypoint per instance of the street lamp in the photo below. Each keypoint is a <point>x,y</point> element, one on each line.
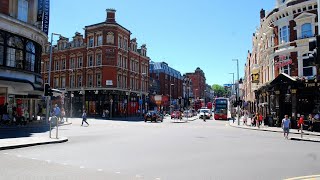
<point>140,102</point>
<point>237,95</point>
<point>49,78</point>
<point>170,97</point>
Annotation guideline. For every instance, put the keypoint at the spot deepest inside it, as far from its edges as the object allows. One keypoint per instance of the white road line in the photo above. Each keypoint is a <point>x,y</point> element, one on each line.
<point>81,167</point>
<point>19,155</point>
<point>118,172</point>
<point>158,179</point>
<point>6,153</point>
<point>34,158</point>
<point>100,170</point>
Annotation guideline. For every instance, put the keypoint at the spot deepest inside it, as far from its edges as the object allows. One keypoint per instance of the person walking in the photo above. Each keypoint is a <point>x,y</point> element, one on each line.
<point>286,126</point>
<point>300,123</point>
<point>57,111</point>
<point>84,118</point>
<point>245,118</point>
<point>311,122</point>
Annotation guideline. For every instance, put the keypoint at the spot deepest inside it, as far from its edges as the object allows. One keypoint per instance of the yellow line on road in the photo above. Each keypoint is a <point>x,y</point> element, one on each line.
<point>312,177</point>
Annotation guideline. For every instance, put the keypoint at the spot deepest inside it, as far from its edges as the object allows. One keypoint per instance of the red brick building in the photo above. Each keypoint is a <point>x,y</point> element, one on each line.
<point>105,69</point>
<point>198,83</point>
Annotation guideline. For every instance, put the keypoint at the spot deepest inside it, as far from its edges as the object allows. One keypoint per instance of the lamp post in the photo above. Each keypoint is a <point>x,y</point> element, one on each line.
<point>170,97</point>
<point>49,79</point>
<point>140,102</point>
<point>237,91</point>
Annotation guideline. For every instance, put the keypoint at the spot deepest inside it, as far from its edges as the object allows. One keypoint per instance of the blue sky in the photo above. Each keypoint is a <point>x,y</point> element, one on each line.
<point>185,34</point>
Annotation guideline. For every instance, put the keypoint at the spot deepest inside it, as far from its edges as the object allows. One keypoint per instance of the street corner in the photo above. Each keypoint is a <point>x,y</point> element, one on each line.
<point>317,140</point>
<point>311,177</point>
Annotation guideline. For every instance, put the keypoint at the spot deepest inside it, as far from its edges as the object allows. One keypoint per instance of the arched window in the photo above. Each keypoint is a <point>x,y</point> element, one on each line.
<point>30,56</point>
<point>1,49</point>
<point>15,52</point>
<point>306,30</point>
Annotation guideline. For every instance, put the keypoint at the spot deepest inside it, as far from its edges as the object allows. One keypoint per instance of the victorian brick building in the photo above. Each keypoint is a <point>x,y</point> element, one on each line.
<point>279,68</point>
<point>104,69</point>
<point>198,83</point>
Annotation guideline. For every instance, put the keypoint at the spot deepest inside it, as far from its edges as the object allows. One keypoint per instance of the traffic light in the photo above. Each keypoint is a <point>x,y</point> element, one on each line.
<point>47,90</point>
<point>314,46</point>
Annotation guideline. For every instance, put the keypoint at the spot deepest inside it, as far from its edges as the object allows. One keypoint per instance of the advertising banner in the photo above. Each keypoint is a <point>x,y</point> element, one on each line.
<point>46,12</point>
<point>40,10</point>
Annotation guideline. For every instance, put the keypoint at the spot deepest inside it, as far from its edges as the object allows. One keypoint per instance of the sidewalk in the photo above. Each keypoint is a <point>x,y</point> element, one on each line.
<point>312,136</point>
<point>12,137</point>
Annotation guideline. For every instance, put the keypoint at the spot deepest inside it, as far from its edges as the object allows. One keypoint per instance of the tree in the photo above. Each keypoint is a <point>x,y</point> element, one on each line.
<point>219,90</point>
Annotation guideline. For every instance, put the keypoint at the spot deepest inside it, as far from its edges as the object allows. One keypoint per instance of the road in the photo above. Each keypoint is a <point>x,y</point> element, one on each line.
<point>162,151</point>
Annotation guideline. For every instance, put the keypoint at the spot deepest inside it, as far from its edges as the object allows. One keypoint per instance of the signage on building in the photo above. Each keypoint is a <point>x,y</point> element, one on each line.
<point>40,10</point>
<point>312,84</point>
<point>283,61</point>
<point>46,10</point>
<point>255,76</point>
<point>109,83</point>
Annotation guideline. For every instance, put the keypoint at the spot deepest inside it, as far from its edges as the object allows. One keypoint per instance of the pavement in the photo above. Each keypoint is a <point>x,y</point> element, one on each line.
<point>306,136</point>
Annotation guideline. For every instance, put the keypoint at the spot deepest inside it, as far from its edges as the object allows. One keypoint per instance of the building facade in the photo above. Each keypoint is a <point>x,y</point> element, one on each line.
<point>279,68</point>
<point>102,70</point>
<point>171,83</point>
<point>23,33</point>
<point>198,83</point>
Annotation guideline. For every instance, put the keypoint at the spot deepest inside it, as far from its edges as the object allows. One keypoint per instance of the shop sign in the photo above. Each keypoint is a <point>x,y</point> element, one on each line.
<point>283,61</point>
<point>255,76</point>
<point>312,84</point>
<point>109,83</point>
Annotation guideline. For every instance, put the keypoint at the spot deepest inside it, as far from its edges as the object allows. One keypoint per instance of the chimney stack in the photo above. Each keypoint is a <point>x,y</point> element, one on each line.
<point>111,15</point>
<point>262,13</point>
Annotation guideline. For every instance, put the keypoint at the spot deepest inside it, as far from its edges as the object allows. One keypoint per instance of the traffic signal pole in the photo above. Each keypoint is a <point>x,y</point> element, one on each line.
<point>48,98</point>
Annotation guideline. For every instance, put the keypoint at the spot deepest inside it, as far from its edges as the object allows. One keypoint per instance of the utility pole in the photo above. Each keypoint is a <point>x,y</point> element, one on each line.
<point>237,95</point>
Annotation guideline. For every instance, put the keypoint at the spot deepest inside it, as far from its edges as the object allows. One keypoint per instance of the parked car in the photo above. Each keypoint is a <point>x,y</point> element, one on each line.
<point>153,116</point>
<point>175,115</point>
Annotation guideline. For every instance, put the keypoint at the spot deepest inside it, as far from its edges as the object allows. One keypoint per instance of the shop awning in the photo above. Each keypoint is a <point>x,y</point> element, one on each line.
<point>283,78</point>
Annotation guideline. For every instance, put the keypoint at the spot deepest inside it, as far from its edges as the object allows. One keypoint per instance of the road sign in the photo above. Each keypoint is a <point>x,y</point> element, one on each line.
<point>227,85</point>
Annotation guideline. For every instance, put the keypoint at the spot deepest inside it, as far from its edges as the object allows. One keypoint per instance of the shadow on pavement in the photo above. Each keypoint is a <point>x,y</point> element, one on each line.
<point>22,131</point>
<point>127,119</point>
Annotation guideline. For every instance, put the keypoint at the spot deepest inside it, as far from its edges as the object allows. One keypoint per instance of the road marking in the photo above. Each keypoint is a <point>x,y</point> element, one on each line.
<point>34,158</point>
<point>158,179</point>
<point>312,177</point>
<point>81,167</point>
<point>6,153</point>
<point>19,155</point>
<point>118,172</point>
<point>100,170</point>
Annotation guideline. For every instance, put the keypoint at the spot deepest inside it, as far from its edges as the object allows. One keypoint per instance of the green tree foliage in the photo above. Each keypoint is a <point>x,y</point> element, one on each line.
<point>219,90</point>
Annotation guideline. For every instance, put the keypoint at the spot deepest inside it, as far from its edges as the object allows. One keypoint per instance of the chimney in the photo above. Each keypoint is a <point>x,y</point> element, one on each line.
<point>111,15</point>
<point>262,13</point>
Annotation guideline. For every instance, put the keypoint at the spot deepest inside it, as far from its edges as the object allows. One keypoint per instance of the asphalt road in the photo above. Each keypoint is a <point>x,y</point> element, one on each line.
<point>195,150</point>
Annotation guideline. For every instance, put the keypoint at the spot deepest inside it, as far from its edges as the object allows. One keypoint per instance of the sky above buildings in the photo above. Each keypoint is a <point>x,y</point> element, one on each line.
<point>185,34</point>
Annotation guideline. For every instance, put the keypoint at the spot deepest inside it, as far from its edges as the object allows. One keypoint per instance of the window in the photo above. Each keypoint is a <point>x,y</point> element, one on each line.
<point>47,65</point>
<point>119,60</point>
<point>15,52</point>
<point>1,49</point>
<point>79,62</point>
<point>63,82</point>
<point>30,56</point>
<point>72,81</point>
<point>56,65</point>
<point>56,82</point>
<point>90,60</point>
<point>98,59</point>
<point>285,69</point>
<point>99,43</point>
<point>72,65</point>
<point>90,44</point>
<point>284,34</point>
<point>63,64</point>
<point>110,38</point>
<point>90,80</point>
<point>119,81</point>
<point>23,10</point>
<point>79,81</point>
<point>306,30</point>
<point>98,79</point>
<point>308,67</point>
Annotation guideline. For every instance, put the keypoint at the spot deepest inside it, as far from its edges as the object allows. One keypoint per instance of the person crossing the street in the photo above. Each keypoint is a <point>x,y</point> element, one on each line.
<point>84,118</point>
<point>286,126</point>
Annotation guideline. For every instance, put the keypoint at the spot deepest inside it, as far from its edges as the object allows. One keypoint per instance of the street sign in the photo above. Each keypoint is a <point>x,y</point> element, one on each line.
<point>227,85</point>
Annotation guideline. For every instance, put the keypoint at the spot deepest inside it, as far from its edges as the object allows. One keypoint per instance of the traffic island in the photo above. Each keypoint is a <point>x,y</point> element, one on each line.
<point>13,143</point>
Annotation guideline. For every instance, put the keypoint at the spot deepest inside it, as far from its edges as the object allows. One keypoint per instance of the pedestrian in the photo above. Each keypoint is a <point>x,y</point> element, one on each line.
<point>311,122</point>
<point>56,111</point>
<point>84,118</point>
<point>286,126</point>
<point>62,114</point>
<point>256,120</point>
<point>260,120</point>
<point>300,123</point>
<point>245,118</point>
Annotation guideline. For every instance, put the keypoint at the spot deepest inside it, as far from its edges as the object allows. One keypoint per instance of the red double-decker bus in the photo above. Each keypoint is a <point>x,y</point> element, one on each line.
<point>221,108</point>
